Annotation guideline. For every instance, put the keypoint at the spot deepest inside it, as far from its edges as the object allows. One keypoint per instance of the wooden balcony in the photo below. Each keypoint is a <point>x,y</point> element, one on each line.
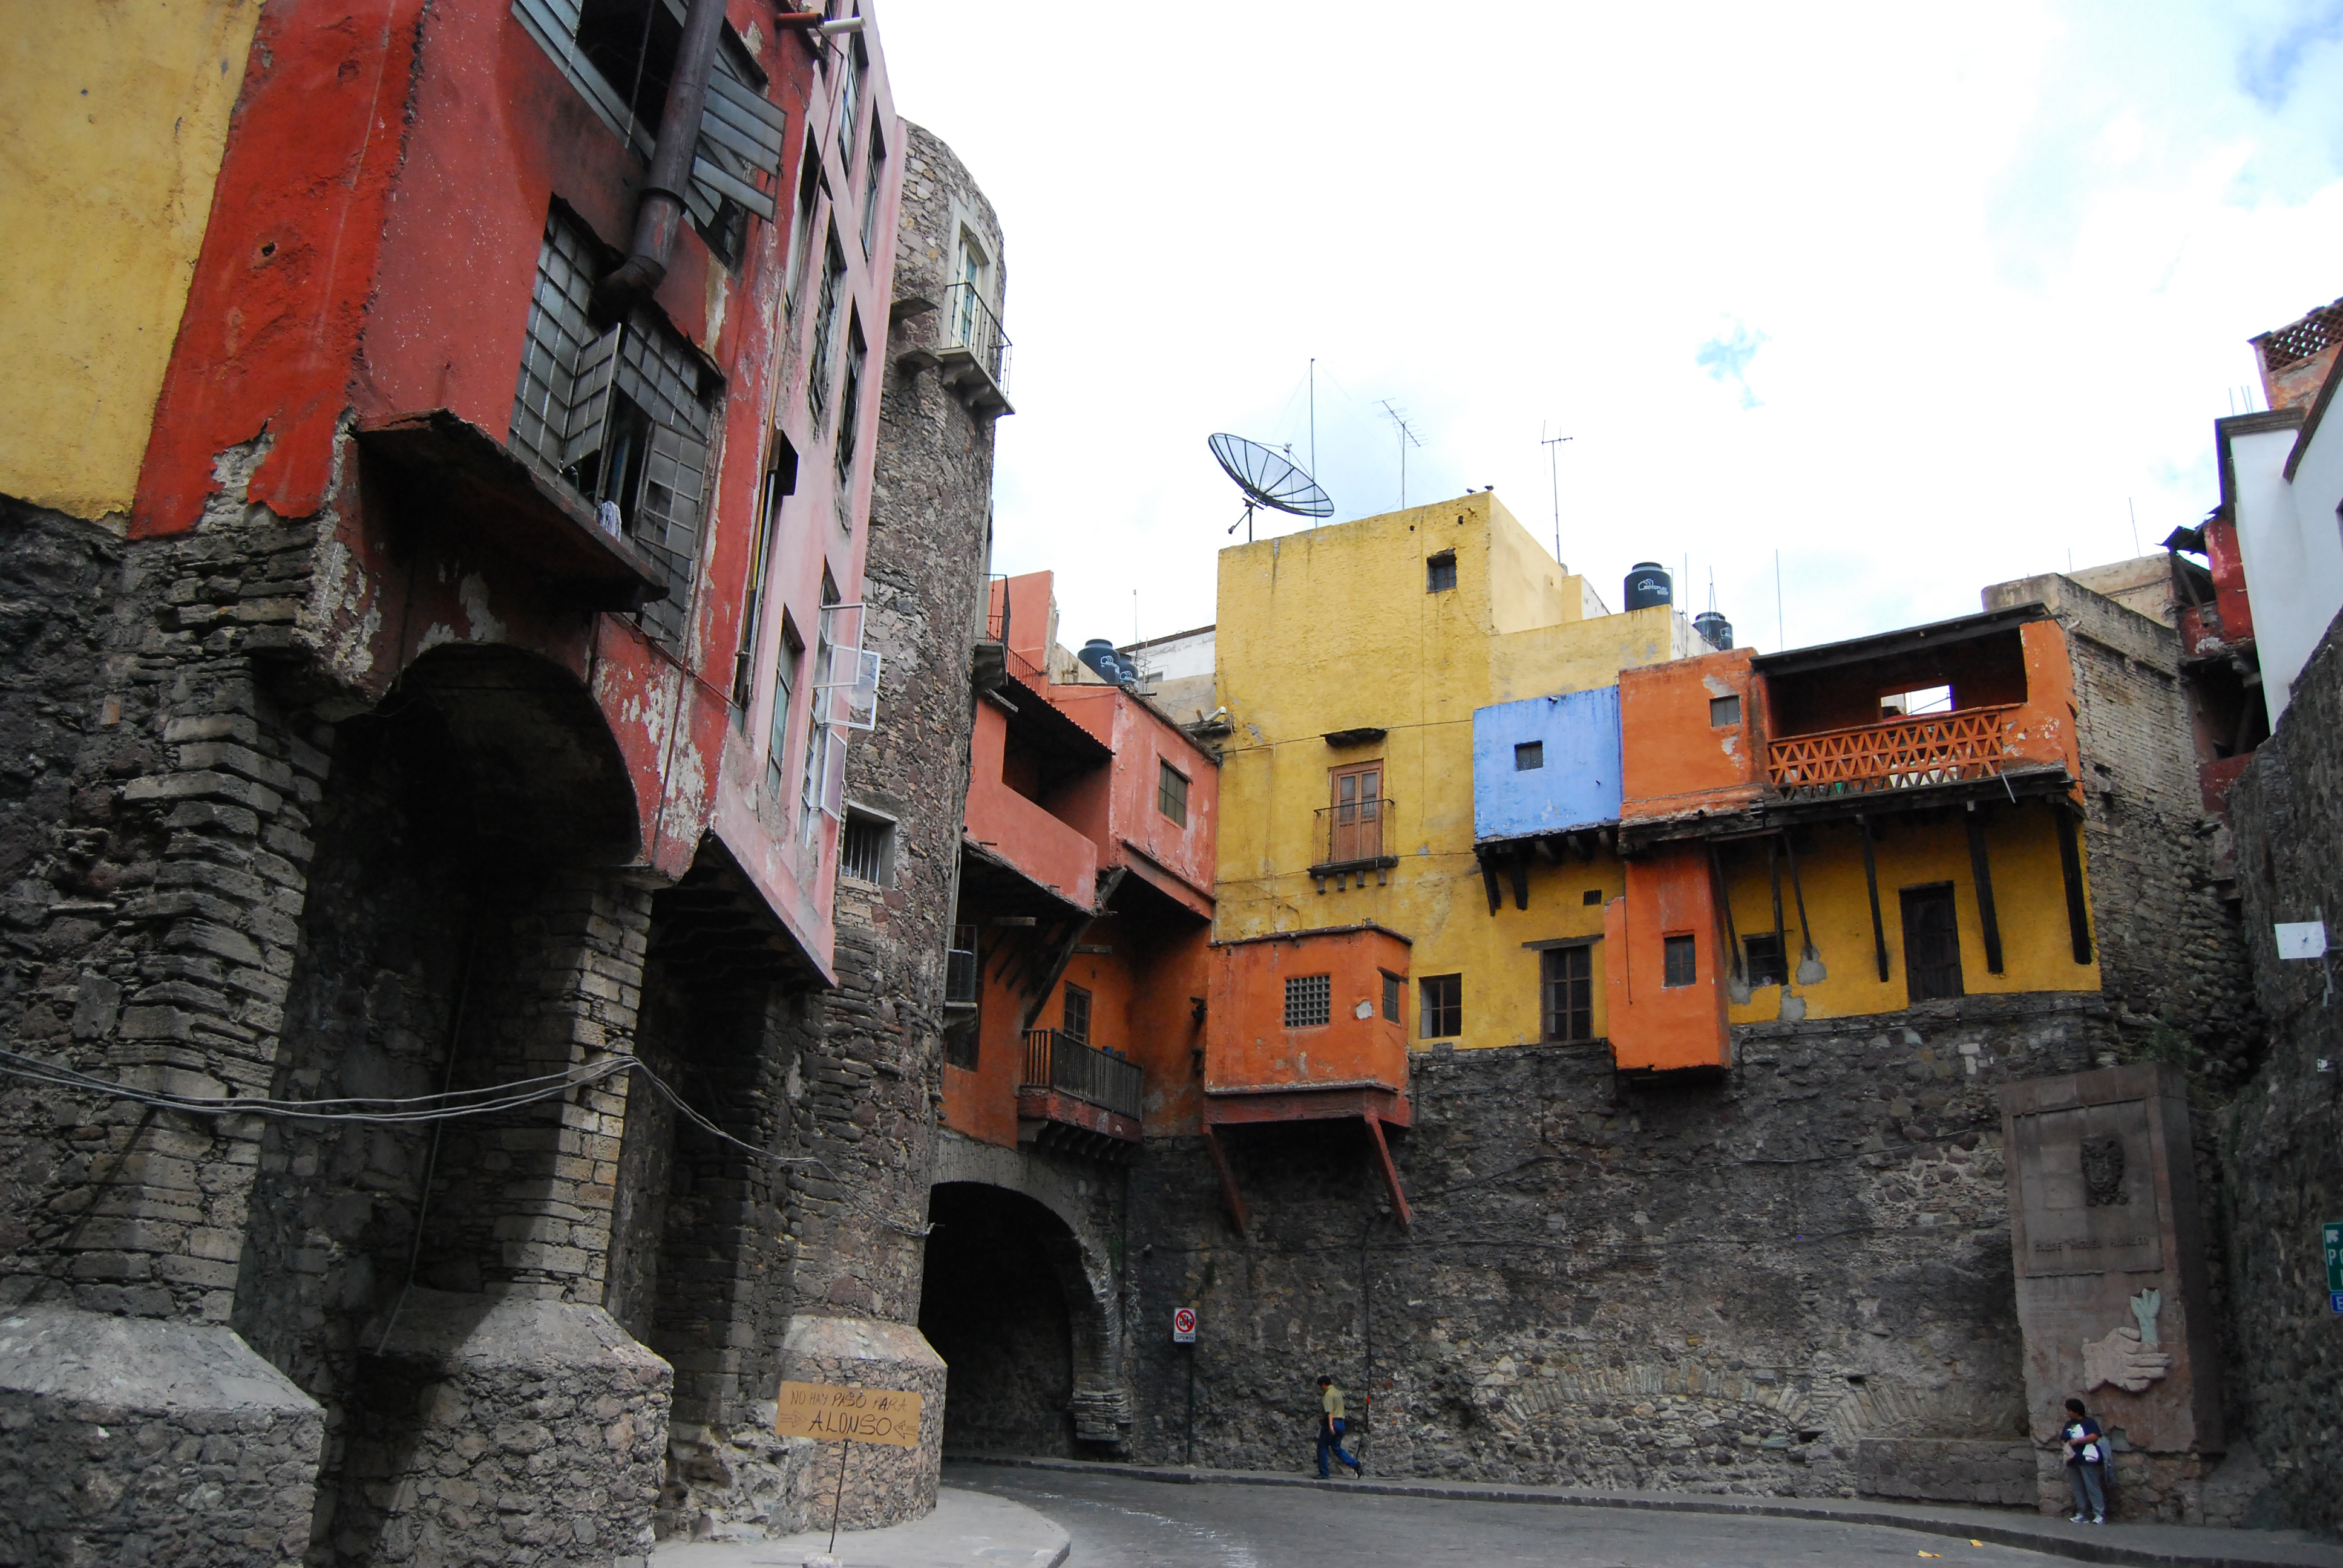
<point>1077,1099</point>
<point>1900,754</point>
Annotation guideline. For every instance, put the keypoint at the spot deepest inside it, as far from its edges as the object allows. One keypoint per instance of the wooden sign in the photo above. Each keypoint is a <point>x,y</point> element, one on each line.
<point>831,1413</point>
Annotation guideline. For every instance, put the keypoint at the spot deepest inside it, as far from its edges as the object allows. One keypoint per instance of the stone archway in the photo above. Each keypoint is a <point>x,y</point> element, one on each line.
<point>464,924</point>
<point>1026,1319</point>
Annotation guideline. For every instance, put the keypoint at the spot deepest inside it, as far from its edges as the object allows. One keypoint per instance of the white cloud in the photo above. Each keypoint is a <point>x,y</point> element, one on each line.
<point>2003,263</point>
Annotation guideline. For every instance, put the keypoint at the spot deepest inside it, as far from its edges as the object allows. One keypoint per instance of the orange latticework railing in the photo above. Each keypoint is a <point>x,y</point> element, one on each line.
<point>1902,754</point>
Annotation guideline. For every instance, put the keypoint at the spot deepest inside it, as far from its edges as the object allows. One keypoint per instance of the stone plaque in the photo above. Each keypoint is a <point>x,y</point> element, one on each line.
<point>2090,1207</point>
<point>2109,1256</point>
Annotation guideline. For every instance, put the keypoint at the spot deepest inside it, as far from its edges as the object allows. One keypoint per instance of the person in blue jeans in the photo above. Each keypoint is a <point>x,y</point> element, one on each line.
<point>1330,1429</point>
<point>2086,1457</point>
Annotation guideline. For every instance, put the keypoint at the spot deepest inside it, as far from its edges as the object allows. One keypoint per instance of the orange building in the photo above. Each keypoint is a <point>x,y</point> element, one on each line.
<point>1929,760</point>
<point>1076,973</point>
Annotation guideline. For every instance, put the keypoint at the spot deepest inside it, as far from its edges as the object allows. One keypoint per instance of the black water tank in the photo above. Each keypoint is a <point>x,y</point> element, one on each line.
<point>1714,629</point>
<point>1098,654</point>
<point>1648,585</point>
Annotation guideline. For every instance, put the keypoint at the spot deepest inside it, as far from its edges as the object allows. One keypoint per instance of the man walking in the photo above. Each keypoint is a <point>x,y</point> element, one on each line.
<point>1330,1429</point>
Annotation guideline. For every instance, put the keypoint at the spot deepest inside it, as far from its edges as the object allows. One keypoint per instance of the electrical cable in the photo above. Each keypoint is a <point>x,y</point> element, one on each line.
<point>424,1108</point>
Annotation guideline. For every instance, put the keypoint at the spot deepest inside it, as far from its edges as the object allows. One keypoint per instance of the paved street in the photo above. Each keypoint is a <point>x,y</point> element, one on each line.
<point>1118,1522</point>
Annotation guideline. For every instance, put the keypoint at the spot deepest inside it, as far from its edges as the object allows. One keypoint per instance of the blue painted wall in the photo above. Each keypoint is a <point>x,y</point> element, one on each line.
<point>1579,785</point>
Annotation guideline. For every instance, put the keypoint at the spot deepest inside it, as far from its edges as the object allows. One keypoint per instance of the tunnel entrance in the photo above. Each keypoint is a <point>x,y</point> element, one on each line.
<point>1007,1301</point>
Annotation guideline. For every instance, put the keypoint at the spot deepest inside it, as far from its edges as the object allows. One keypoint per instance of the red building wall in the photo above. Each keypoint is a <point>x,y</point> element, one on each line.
<point>371,250</point>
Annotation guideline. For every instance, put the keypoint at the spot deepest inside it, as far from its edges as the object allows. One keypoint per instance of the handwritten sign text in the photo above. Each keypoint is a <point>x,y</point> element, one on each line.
<point>830,1413</point>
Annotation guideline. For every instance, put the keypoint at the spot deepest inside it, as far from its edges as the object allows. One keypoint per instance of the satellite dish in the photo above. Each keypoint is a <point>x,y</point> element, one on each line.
<point>1268,478</point>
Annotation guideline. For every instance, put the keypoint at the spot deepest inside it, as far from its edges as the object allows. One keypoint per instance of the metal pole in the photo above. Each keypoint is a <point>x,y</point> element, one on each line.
<point>839,1501</point>
<point>1191,1404</point>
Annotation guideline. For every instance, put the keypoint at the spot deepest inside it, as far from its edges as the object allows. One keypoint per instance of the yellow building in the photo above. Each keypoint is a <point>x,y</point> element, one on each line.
<point>1352,660</point>
<point>110,164</point>
<point>1581,825</point>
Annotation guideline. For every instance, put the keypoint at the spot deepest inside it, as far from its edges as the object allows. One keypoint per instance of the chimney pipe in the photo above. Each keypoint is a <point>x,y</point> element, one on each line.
<point>660,212</point>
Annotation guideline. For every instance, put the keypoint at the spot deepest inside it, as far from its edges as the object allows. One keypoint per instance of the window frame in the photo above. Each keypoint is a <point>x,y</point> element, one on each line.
<point>1176,811</point>
<point>1777,971</point>
<point>1557,1012</point>
<point>1439,1000</point>
<point>1675,946</point>
<point>1724,712</point>
<point>1437,567</point>
<point>1529,756</point>
<point>1393,998</point>
<point>1066,1008</point>
<point>1369,809</point>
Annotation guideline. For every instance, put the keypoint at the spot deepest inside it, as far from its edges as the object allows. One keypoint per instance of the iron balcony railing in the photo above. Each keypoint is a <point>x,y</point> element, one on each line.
<point>1353,832</point>
<point>1055,1060</point>
<point>996,609</point>
<point>1900,754</point>
<point>970,324</point>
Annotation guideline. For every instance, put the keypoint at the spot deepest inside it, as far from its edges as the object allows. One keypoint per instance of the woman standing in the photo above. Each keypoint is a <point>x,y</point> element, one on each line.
<point>2087,1455</point>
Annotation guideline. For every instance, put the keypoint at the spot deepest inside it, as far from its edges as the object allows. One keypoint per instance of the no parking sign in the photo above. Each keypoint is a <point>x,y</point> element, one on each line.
<point>1184,1325</point>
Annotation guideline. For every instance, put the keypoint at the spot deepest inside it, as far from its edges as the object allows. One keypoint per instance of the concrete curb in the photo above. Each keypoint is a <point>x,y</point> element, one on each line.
<point>2145,1546</point>
<point>966,1529</point>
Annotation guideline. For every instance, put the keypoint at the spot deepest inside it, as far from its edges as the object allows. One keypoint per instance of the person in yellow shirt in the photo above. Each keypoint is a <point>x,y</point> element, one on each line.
<point>1330,1429</point>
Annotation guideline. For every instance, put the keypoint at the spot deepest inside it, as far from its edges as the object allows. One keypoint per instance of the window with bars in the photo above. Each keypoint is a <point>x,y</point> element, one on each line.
<point>1766,963</point>
<point>867,852</point>
<point>1440,1002</point>
<point>625,414</point>
<point>1679,962</point>
<point>1566,993</point>
<point>1529,755</point>
<point>1171,793</point>
<point>1440,572</point>
<point>1309,1000</point>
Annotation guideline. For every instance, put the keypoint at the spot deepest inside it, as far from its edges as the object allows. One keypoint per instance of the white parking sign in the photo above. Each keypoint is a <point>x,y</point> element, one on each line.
<point>1183,1326</point>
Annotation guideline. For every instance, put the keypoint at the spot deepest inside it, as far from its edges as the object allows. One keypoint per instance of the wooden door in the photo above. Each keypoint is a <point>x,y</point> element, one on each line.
<point>1932,943</point>
<point>1358,813</point>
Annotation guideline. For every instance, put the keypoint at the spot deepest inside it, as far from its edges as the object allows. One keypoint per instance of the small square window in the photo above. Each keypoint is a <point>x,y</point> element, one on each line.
<point>1682,967</point>
<point>1440,572</point>
<point>868,852</point>
<point>1529,754</point>
<point>1592,895</point>
<point>1723,713</point>
<point>1391,997</point>
<point>1309,1000</point>
<point>1767,966</point>
<point>1171,793</point>
<point>1440,1002</point>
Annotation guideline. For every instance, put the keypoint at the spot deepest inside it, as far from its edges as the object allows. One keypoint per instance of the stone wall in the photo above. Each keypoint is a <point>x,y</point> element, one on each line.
<point>1725,1284</point>
<point>2281,1148</point>
<point>2171,955</point>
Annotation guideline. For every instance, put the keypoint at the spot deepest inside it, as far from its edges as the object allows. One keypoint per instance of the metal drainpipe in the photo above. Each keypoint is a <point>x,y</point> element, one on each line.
<point>662,210</point>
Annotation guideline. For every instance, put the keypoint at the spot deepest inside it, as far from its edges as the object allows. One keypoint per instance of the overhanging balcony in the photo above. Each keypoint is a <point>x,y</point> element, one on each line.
<point>1077,1099</point>
<point>970,353</point>
<point>1899,754</point>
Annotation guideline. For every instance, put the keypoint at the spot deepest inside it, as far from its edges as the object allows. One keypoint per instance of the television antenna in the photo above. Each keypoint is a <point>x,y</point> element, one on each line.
<point>1552,444</point>
<point>1407,438</point>
<point>1268,478</point>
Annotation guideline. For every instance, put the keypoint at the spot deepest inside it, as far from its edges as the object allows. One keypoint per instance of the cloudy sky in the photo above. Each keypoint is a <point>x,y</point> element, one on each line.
<point>1923,298</point>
